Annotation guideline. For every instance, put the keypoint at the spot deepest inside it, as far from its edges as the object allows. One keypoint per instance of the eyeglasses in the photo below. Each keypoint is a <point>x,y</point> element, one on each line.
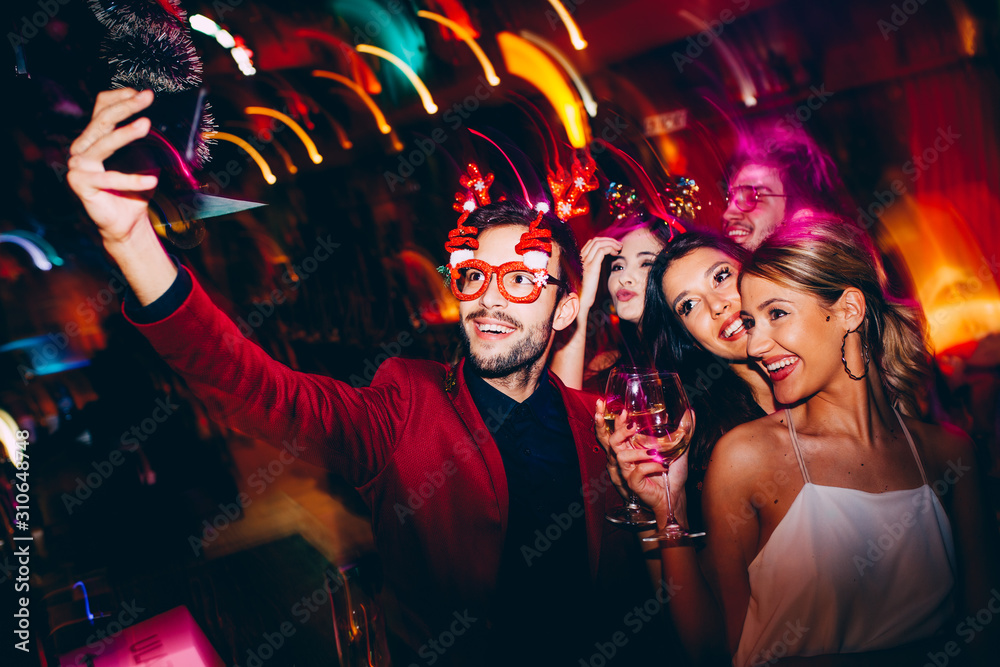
<point>517,283</point>
<point>746,197</point>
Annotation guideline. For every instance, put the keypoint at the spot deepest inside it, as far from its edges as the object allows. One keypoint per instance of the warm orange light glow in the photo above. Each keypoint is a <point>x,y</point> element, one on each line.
<point>383,126</point>
<point>296,128</point>
<point>425,94</point>
<point>954,282</point>
<point>250,150</point>
<point>589,103</point>
<point>527,61</point>
<point>465,36</point>
<point>579,43</point>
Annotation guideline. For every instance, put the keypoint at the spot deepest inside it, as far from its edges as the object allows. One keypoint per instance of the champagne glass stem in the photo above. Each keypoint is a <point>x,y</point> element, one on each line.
<point>671,519</point>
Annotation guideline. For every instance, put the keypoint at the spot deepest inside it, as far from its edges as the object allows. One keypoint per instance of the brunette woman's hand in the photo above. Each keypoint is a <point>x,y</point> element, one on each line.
<point>592,255</point>
<point>644,475</point>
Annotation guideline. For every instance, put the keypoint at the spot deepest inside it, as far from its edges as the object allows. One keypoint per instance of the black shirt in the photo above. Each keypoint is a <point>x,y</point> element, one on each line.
<point>544,575</point>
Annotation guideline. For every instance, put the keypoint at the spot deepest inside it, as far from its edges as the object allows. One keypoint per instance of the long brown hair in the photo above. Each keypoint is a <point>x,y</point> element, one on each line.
<point>823,256</point>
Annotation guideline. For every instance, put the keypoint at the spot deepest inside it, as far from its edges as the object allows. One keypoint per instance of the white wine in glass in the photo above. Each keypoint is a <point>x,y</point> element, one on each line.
<point>616,398</point>
<point>664,423</point>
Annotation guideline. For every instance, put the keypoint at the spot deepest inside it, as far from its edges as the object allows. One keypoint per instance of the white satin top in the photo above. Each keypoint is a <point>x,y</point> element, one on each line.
<point>847,571</point>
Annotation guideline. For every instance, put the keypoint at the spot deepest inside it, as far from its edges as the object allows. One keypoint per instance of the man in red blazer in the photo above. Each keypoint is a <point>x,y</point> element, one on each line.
<point>486,484</point>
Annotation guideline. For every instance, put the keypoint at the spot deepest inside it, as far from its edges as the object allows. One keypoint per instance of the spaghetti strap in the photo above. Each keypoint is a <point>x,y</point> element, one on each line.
<point>795,446</point>
<point>913,447</point>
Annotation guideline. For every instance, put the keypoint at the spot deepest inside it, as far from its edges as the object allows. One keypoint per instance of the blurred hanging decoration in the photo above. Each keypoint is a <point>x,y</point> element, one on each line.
<point>623,202</point>
<point>579,43</point>
<point>463,34</point>
<point>149,46</point>
<point>525,60</point>
<point>645,199</point>
<point>128,17</point>
<point>681,195</point>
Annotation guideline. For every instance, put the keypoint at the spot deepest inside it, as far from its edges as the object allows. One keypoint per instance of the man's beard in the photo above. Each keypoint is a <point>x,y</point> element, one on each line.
<point>519,358</point>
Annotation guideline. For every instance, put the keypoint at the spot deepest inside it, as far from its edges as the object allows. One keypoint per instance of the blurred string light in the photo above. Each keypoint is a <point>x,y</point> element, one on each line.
<point>463,34</point>
<point>237,48</point>
<point>525,60</point>
<point>589,103</point>
<point>8,436</point>
<point>383,126</point>
<point>265,170</point>
<point>39,250</point>
<point>579,43</point>
<point>50,253</point>
<point>296,128</point>
<point>418,84</point>
<point>285,157</point>
<point>360,70</point>
<point>338,129</point>
<point>86,600</point>
<point>748,92</point>
<point>388,24</point>
<point>42,364</point>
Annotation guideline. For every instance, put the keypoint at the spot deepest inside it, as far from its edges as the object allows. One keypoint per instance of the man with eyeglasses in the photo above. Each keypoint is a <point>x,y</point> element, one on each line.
<point>779,176</point>
<point>486,484</point>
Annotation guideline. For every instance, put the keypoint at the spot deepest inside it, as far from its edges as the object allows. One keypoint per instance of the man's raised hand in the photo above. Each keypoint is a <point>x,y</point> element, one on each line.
<point>116,202</point>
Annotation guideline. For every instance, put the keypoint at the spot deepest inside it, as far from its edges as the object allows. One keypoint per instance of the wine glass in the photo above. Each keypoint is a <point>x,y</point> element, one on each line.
<point>664,422</point>
<point>616,398</point>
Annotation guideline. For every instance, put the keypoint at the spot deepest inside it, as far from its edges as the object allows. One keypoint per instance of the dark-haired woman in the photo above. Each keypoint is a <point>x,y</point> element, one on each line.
<point>692,318</point>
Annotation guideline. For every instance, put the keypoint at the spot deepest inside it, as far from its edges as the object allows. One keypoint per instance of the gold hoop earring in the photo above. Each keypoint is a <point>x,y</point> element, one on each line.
<point>864,353</point>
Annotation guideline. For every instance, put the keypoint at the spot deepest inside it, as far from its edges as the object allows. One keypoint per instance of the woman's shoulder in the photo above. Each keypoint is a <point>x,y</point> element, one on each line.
<point>750,446</point>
